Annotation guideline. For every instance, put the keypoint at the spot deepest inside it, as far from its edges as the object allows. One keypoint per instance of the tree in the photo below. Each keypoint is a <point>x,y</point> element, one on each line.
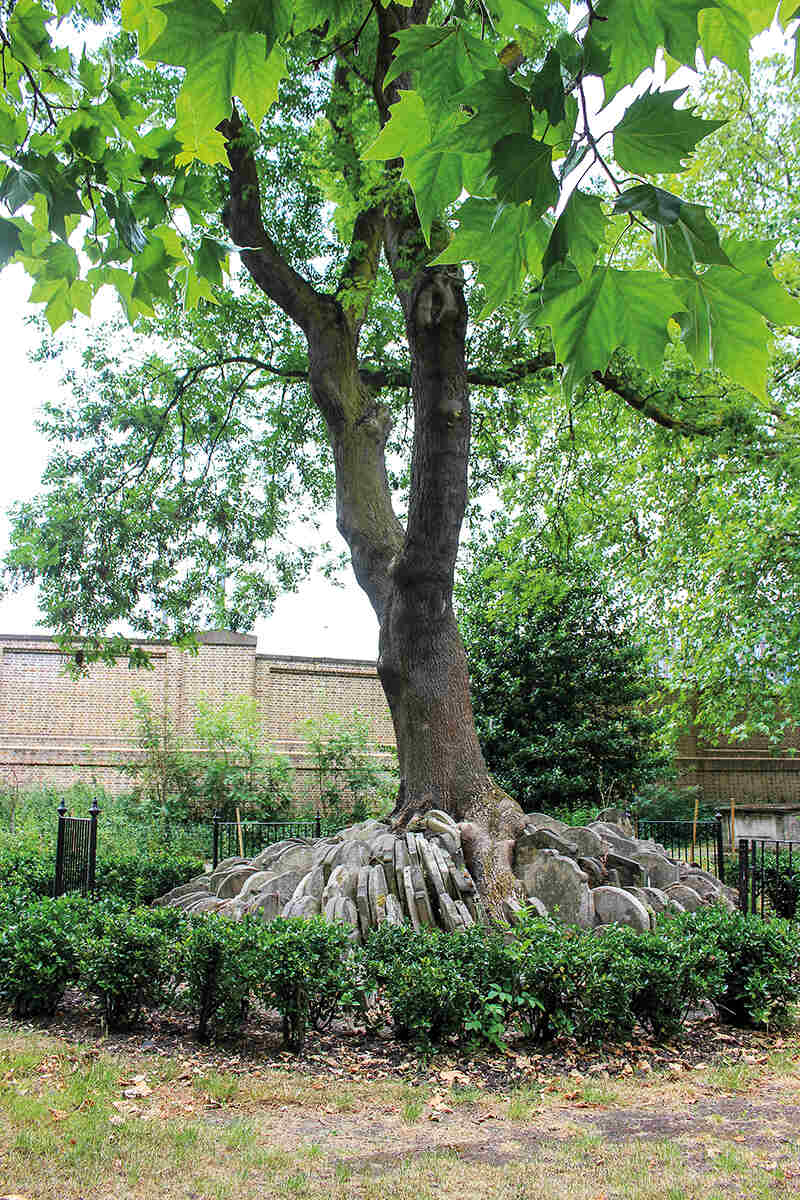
<point>561,690</point>
<point>393,112</point>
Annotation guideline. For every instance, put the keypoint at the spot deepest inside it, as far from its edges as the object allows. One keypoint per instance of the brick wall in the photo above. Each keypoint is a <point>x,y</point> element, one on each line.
<point>753,771</point>
<point>59,730</point>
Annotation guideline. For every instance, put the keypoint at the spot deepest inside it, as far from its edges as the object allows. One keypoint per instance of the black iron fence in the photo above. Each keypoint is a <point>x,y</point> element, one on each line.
<point>76,851</point>
<point>248,838</point>
<point>699,843</point>
<point>769,877</point>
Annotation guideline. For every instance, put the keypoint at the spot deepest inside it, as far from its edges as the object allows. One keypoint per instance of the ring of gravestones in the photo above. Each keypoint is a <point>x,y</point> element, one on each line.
<point>367,875</point>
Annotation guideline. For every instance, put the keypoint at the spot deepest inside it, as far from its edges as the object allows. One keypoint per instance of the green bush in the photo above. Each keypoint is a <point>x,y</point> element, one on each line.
<point>304,973</point>
<point>759,974</point>
<point>665,974</point>
<point>782,882</point>
<point>437,985</point>
<point>217,965</point>
<point>38,959</point>
<point>560,685</point>
<point>141,879</point>
<point>568,982</point>
<point>137,878</point>
<point>124,963</point>
<point>28,867</point>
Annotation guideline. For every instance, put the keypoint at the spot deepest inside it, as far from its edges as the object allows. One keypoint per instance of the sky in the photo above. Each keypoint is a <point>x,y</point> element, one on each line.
<point>321,619</point>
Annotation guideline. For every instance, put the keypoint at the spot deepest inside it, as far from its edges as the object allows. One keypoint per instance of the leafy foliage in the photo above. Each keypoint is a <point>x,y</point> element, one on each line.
<point>559,687</point>
<point>760,965</point>
<point>479,121</point>
<point>125,965</point>
<point>38,958</point>
<point>350,780</point>
<point>238,771</point>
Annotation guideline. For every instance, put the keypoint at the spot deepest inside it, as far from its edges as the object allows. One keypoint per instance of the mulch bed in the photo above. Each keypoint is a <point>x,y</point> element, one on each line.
<point>344,1051</point>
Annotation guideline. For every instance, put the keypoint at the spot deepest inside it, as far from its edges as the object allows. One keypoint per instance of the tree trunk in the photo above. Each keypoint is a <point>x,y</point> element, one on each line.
<point>406,573</point>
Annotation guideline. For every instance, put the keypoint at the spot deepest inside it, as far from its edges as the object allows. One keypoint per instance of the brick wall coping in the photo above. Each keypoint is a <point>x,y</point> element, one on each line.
<point>739,762</point>
<point>758,809</point>
<point>323,662</point>
<point>212,637</point>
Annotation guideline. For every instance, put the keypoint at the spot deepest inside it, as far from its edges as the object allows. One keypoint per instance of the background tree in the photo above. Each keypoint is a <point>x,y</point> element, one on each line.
<point>692,517</point>
<point>393,112</point>
<point>560,689</point>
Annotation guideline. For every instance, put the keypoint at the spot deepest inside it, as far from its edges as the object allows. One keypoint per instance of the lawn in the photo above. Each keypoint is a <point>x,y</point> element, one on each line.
<point>80,1120</point>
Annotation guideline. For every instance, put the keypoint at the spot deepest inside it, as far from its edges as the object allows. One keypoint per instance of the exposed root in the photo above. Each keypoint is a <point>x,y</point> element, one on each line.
<point>489,824</point>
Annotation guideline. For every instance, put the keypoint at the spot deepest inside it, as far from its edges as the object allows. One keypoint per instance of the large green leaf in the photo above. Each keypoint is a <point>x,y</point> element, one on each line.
<point>591,319</point>
<point>19,187</point>
<point>522,171</point>
<point>500,108</point>
<point>683,234</point>
<point>232,65</point>
<point>444,62</point>
<point>529,14</point>
<point>434,173</point>
<point>652,202</point>
<point>655,136</point>
<point>506,242</point>
<point>632,33</point>
<point>144,18</point>
<point>190,27</point>
<point>436,178</point>
<point>10,241</point>
<point>547,89</point>
<point>689,240</point>
<point>726,313</point>
<point>274,20</point>
<point>407,131</point>
<point>578,233</point>
<point>727,30</point>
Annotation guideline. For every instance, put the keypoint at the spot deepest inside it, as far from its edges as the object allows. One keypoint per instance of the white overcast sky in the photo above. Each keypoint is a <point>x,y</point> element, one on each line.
<point>321,619</point>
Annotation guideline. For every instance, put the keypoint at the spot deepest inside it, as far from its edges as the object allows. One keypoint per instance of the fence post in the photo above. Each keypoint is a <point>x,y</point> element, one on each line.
<point>58,882</point>
<point>317,827</point>
<point>720,847</point>
<point>743,873</point>
<point>90,873</point>
<point>215,853</point>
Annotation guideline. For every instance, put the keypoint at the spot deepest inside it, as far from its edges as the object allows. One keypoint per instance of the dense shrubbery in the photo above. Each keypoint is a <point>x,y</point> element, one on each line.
<point>134,878</point>
<point>782,882</point>
<point>547,981</point>
<point>560,687</point>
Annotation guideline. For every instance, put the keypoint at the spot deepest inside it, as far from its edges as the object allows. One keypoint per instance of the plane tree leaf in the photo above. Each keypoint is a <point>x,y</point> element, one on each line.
<point>592,318</point>
<point>632,33</point>
<point>505,241</point>
<point>521,168</point>
<point>727,310</point>
<point>578,233</point>
<point>655,136</point>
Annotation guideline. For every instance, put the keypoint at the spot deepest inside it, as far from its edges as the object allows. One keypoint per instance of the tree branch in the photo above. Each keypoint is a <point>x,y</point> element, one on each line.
<point>645,405</point>
<point>242,216</point>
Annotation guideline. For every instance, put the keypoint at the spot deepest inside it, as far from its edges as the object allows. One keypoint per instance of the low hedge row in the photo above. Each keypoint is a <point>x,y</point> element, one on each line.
<point>546,981</point>
<point>126,876</point>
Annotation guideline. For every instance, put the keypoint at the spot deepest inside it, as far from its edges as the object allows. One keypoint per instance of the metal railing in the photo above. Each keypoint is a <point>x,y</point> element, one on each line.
<point>699,843</point>
<point>769,877</point>
<point>76,852</point>
<point>248,838</point>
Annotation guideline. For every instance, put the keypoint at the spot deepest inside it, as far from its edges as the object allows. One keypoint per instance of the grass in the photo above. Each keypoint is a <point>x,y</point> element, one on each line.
<point>83,1124</point>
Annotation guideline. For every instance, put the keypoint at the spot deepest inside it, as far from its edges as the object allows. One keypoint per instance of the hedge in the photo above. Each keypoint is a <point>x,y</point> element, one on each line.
<point>473,986</point>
